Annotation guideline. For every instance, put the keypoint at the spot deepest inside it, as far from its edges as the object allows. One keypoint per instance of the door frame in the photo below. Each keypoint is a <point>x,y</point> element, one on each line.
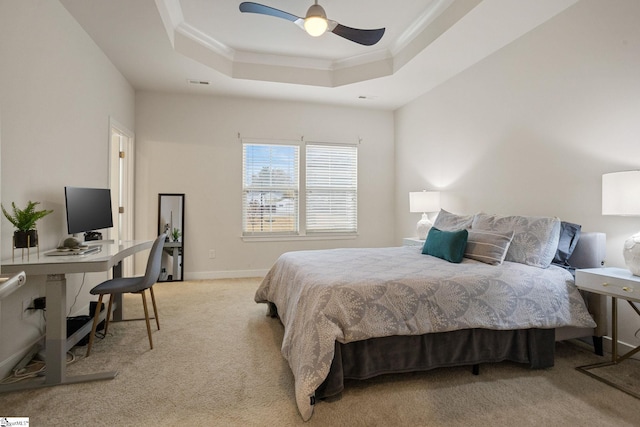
<point>122,185</point>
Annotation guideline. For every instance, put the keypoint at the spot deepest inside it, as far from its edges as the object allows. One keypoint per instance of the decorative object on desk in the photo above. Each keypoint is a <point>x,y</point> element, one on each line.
<point>70,242</point>
<point>425,202</point>
<point>621,196</point>
<point>24,220</point>
<point>171,223</point>
<point>71,245</point>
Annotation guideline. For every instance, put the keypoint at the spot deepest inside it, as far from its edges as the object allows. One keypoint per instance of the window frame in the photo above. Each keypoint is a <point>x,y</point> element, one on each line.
<point>295,187</point>
<point>331,189</point>
<point>302,233</point>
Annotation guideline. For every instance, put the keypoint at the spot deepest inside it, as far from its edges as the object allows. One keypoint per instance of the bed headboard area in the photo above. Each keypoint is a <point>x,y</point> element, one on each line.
<point>590,250</point>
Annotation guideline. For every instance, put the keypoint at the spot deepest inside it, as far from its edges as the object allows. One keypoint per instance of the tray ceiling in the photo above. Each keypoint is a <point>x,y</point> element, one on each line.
<point>168,45</point>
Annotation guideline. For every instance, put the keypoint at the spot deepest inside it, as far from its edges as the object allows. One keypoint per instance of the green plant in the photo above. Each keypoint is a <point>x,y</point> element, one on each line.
<point>175,234</point>
<point>25,219</point>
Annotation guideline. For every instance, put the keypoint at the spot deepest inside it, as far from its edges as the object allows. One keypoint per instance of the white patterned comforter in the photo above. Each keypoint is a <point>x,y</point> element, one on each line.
<point>346,295</point>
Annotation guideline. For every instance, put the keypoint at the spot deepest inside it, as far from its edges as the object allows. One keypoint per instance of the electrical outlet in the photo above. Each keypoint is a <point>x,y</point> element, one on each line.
<point>26,304</point>
<point>212,253</point>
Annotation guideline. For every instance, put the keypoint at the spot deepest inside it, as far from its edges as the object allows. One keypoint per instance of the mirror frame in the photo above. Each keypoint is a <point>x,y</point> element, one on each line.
<point>169,244</point>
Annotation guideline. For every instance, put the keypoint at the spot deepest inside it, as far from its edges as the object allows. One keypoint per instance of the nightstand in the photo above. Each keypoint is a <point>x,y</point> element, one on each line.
<point>617,283</point>
<point>412,241</point>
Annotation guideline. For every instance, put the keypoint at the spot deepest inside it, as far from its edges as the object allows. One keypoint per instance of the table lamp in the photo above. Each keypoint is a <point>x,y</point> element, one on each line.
<point>621,196</point>
<point>424,201</point>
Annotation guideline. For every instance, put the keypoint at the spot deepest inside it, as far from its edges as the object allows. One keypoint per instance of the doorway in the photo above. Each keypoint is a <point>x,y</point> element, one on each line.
<point>121,182</point>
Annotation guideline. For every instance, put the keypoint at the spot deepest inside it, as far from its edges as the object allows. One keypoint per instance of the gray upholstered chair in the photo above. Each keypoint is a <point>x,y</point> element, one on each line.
<point>135,285</point>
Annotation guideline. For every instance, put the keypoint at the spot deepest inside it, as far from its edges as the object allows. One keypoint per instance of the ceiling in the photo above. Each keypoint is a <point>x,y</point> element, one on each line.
<point>210,47</point>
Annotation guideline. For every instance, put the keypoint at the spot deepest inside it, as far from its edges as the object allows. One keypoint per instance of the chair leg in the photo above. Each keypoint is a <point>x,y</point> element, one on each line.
<point>96,315</point>
<point>155,308</point>
<point>146,318</point>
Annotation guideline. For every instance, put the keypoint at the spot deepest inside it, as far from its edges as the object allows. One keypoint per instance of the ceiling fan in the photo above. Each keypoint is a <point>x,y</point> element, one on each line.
<point>315,23</point>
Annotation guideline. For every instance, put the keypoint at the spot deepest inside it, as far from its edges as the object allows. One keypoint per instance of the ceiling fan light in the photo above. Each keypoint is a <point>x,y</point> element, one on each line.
<point>315,23</point>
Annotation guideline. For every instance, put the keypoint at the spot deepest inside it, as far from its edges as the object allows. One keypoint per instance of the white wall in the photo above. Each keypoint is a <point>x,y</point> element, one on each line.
<point>532,128</point>
<point>189,144</point>
<point>57,92</point>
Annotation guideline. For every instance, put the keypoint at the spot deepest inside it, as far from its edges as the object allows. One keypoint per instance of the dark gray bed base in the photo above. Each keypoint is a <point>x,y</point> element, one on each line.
<point>470,347</point>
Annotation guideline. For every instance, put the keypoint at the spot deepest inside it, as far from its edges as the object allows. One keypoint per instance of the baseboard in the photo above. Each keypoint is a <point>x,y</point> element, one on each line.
<point>623,347</point>
<point>228,274</point>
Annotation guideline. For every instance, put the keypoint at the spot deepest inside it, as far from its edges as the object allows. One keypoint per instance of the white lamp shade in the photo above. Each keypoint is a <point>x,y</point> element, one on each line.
<point>621,193</point>
<point>424,201</point>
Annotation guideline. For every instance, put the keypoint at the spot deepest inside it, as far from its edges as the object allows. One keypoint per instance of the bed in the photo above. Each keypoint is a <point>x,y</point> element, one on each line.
<point>362,312</point>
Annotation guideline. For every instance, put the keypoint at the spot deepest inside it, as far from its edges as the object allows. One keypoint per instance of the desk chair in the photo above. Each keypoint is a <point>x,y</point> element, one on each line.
<point>134,285</point>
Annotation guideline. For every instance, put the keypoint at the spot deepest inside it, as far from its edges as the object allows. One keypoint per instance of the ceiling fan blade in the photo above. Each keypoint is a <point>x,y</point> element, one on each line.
<point>363,37</point>
<point>251,7</point>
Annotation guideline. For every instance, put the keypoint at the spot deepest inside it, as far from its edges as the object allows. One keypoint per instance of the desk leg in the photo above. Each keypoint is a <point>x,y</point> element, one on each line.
<point>56,338</point>
<point>56,343</point>
<point>176,262</point>
<point>614,330</point>
<point>117,298</point>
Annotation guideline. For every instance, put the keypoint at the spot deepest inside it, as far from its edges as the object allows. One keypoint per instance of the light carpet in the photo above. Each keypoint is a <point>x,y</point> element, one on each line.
<point>217,362</point>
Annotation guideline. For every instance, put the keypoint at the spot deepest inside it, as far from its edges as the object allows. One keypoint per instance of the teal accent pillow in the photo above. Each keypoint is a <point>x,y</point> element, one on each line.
<point>448,245</point>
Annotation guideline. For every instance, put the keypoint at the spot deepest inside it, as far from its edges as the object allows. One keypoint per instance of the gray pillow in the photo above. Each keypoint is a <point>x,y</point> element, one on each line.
<point>569,235</point>
<point>535,239</point>
<point>489,247</point>
<point>448,221</point>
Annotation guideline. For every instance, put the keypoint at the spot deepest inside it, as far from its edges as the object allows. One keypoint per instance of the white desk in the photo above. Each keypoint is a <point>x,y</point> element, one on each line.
<point>55,268</point>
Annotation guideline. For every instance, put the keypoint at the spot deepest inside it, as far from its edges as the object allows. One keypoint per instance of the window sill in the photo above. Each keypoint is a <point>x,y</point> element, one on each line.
<point>297,238</point>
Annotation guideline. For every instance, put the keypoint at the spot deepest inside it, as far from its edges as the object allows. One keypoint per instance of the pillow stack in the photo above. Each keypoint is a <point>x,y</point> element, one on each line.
<point>493,239</point>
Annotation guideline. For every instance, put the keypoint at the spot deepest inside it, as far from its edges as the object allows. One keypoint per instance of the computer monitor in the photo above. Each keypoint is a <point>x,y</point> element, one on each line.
<point>88,209</point>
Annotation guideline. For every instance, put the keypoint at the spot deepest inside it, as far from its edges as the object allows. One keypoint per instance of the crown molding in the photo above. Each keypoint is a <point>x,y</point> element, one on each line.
<point>199,46</point>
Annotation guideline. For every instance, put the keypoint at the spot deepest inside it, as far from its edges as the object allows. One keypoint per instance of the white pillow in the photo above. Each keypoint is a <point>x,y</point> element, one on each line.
<point>447,221</point>
<point>535,239</point>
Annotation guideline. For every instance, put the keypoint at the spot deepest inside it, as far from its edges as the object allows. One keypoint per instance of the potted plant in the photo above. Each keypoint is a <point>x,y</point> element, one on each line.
<point>175,234</point>
<point>24,220</point>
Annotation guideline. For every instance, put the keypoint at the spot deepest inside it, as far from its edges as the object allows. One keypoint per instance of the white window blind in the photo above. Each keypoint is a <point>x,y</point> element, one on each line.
<point>270,188</point>
<point>331,188</point>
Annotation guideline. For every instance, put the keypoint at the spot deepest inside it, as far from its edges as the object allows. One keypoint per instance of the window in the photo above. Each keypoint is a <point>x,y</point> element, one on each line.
<point>332,193</point>
<point>299,189</point>
<point>270,188</point>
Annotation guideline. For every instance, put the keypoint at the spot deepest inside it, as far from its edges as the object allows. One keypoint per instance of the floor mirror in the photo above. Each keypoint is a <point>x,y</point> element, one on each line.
<point>171,222</point>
